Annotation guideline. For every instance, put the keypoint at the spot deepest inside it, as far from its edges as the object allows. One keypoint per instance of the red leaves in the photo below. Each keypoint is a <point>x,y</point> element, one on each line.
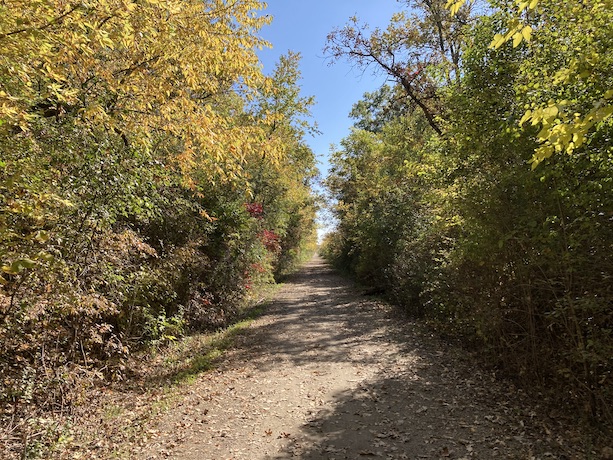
<point>270,240</point>
<point>255,209</point>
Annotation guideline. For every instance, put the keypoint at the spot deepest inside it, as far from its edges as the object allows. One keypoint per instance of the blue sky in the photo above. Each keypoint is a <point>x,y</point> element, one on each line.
<point>302,26</point>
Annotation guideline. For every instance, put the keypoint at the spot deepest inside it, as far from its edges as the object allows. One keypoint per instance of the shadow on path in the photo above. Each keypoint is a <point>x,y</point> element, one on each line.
<point>327,373</point>
<point>422,399</point>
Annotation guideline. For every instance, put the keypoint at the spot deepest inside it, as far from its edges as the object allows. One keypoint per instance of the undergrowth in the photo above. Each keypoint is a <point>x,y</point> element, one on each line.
<point>114,418</point>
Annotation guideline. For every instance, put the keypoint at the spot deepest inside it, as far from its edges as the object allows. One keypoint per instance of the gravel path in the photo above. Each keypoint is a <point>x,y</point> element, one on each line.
<point>328,373</point>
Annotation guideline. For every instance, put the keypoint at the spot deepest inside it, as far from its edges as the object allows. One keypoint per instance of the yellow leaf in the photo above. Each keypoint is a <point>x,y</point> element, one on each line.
<point>454,5</point>
<point>550,113</point>
<point>526,117</point>
<point>526,33</point>
<point>497,41</point>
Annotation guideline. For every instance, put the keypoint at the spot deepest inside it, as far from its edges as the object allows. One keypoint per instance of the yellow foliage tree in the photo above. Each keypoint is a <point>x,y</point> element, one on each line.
<point>582,30</point>
<point>136,67</point>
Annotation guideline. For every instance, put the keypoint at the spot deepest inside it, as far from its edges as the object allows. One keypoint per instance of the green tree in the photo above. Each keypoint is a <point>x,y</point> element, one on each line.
<point>459,229</point>
<point>579,101</point>
<point>378,108</point>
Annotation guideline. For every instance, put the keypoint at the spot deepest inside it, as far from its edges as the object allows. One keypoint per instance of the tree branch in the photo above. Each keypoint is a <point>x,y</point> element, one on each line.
<point>49,24</point>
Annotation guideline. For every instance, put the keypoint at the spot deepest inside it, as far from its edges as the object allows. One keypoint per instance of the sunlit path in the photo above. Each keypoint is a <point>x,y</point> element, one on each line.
<point>329,374</point>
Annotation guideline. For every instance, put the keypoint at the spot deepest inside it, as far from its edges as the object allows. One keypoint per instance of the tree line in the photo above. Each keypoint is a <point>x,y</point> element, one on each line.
<point>476,188</point>
<point>151,177</point>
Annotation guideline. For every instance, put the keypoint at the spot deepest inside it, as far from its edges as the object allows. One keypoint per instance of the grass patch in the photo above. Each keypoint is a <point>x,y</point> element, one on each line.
<point>209,350</point>
<point>182,361</point>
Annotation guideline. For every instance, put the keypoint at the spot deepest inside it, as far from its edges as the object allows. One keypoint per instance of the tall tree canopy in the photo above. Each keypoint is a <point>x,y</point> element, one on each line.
<point>418,51</point>
<point>570,91</point>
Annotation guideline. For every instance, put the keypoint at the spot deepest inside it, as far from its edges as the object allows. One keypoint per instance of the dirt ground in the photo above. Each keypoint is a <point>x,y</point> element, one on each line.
<point>328,373</point>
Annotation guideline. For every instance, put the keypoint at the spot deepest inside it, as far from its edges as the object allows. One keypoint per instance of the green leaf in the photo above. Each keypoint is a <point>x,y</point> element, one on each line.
<point>26,263</point>
<point>18,266</point>
<point>43,255</point>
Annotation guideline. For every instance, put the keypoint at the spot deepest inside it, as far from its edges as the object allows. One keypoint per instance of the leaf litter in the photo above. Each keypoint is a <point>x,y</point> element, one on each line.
<point>326,374</point>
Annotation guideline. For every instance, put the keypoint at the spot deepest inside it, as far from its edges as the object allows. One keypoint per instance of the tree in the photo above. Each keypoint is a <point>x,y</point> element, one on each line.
<point>420,52</point>
<point>133,67</point>
<point>131,154</point>
<point>378,108</point>
<point>569,83</point>
<point>150,73</point>
<point>582,89</point>
<point>285,190</point>
<point>458,229</point>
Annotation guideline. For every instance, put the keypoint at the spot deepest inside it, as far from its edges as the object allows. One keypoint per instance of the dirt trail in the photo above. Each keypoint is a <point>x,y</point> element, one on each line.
<point>328,373</point>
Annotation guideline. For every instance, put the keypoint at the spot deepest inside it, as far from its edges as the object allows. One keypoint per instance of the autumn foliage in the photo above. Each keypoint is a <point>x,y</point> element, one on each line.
<point>132,133</point>
<point>494,222</point>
